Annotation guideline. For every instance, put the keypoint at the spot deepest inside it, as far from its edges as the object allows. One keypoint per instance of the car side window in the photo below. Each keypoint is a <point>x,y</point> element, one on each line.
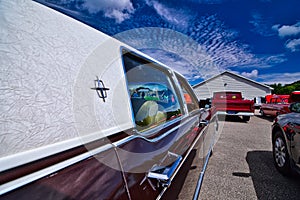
<point>273,101</point>
<point>153,98</point>
<point>189,97</point>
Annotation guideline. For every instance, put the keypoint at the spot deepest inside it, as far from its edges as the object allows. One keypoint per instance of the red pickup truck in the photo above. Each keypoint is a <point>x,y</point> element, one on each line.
<point>279,104</point>
<point>232,103</point>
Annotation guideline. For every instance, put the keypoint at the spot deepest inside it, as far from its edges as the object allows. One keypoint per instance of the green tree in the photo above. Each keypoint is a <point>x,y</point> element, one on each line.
<point>285,89</point>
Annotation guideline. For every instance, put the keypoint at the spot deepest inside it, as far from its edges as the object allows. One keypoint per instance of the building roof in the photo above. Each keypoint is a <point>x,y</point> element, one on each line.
<point>231,73</point>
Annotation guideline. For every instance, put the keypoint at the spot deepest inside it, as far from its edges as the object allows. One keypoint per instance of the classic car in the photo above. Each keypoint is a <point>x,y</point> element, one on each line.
<point>85,116</point>
<point>279,104</point>
<point>286,141</point>
<point>294,96</point>
<point>232,103</point>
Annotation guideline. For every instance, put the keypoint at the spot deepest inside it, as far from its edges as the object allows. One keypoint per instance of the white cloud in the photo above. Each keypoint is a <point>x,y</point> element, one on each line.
<point>293,45</point>
<point>292,33</point>
<point>115,9</point>
<point>172,48</point>
<point>252,75</point>
<point>225,50</point>
<point>171,15</point>
<point>283,78</point>
<point>286,30</point>
<point>261,25</point>
<point>214,49</point>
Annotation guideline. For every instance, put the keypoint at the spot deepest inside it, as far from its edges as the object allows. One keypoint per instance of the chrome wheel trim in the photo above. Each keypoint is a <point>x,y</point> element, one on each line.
<point>280,152</point>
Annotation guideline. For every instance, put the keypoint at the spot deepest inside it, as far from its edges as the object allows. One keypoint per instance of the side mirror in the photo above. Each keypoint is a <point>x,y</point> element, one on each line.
<point>204,103</point>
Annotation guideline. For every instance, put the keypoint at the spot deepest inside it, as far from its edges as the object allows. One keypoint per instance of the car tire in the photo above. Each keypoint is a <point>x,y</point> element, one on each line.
<point>262,113</point>
<point>280,154</point>
<point>246,118</point>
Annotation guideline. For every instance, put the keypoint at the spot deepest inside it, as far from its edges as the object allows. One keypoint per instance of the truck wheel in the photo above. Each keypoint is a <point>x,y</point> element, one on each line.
<point>246,118</point>
<point>281,155</point>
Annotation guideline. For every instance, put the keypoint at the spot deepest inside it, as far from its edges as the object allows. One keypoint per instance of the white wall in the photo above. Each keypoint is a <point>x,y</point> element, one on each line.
<point>230,82</point>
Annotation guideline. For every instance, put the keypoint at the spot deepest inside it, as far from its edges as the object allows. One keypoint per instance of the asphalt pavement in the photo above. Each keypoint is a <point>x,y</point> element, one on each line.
<point>241,166</point>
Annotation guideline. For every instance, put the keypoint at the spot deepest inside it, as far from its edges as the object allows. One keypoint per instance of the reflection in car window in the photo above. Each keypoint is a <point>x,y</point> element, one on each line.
<point>296,107</point>
<point>152,95</point>
<point>189,97</point>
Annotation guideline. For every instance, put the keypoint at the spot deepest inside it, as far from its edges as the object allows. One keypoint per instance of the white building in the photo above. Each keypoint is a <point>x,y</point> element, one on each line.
<point>228,81</point>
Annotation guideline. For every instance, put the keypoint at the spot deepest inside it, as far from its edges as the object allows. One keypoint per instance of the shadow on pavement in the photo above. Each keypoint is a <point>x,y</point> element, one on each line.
<point>267,181</point>
<point>231,118</point>
<point>267,118</point>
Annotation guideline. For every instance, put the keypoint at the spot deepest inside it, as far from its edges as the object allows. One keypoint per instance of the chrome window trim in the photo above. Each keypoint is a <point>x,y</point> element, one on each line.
<point>156,139</point>
<point>173,82</point>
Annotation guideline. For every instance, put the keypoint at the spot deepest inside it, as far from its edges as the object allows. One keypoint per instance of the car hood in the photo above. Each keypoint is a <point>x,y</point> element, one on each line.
<point>290,117</point>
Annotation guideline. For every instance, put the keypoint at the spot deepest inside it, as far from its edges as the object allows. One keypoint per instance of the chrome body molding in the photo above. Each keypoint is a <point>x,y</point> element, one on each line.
<point>201,176</point>
<point>182,161</point>
<point>22,158</point>
<point>142,135</point>
<point>235,114</point>
<point>4,188</point>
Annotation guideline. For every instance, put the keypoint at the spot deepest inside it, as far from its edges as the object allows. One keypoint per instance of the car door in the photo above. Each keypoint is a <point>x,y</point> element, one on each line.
<point>90,171</point>
<point>270,107</point>
<point>294,125</point>
<point>166,128</point>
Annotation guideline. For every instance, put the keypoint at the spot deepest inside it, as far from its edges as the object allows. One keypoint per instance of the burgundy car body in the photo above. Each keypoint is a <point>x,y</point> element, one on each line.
<point>88,117</point>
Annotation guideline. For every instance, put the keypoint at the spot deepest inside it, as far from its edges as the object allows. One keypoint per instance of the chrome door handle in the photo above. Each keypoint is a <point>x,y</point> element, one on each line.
<point>165,169</point>
<point>204,122</point>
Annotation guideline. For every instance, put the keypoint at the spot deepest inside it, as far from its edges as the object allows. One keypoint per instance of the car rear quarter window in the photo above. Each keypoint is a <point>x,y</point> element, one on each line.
<point>188,94</point>
<point>153,97</point>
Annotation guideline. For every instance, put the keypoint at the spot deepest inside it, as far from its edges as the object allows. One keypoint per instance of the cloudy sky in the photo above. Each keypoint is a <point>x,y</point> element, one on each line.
<point>258,39</point>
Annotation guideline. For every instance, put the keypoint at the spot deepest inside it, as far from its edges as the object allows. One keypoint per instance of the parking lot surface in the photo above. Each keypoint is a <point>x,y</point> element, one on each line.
<point>241,166</point>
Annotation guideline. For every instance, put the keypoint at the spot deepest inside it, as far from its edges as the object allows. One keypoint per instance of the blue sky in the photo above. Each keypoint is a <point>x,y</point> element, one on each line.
<point>258,39</point>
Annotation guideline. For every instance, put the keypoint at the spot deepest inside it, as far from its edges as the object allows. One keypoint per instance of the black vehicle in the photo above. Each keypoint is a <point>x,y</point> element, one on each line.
<point>286,141</point>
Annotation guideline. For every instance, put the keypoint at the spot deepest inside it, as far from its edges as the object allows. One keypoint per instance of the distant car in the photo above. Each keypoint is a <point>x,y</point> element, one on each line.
<point>286,141</point>
<point>294,96</point>
<point>278,105</point>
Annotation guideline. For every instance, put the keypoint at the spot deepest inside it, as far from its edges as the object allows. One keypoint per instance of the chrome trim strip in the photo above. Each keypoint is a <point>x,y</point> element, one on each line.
<point>159,127</point>
<point>183,160</point>
<point>132,137</point>
<point>7,187</point>
<point>201,177</point>
<point>235,114</point>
